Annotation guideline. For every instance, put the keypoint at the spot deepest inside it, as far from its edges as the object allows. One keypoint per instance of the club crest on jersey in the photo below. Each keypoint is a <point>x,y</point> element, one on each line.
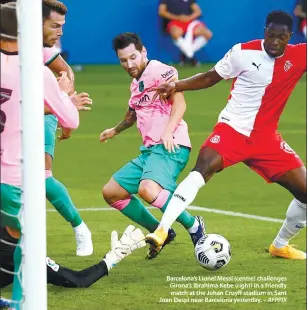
<point>215,139</point>
<point>141,86</point>
<point>288,65</point>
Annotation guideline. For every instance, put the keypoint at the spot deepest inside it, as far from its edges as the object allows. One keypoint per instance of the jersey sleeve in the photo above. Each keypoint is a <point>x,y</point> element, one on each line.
<point>49,55</point>
<point>59,102</point>
<point>230,65</point>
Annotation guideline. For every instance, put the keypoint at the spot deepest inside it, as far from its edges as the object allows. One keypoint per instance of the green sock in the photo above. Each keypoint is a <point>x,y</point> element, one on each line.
<point>59,197</point>
<point>138,213</point>
<point>185,218</point>
<point>17,288</point>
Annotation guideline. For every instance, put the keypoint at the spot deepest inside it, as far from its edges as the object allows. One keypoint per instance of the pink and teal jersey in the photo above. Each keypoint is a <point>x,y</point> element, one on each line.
<point>10,114</point>
<point>153,117</point>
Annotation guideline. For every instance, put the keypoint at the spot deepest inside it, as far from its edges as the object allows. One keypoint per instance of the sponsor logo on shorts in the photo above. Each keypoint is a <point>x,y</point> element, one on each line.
<point>180,197</point>
<point>52,264</point>
<point>168,73</point>
<point>215,139</point>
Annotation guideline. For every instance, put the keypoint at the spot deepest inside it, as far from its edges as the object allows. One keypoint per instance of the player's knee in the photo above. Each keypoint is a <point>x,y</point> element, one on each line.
<point>208,166</point>
<point>175,33</point>
<point>208,34</point>
<point>148,190</point>
<point>109,194</point>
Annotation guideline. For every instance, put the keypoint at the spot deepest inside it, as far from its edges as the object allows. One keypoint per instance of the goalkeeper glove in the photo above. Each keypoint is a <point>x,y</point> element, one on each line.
<point>131,240</point>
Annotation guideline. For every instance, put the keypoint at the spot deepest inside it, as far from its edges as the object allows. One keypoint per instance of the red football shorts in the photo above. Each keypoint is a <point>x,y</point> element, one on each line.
<point>268,155</point>
<point>181,25</point>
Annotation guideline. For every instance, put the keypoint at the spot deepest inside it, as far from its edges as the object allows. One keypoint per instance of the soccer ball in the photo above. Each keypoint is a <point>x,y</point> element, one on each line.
<point>213,251</point>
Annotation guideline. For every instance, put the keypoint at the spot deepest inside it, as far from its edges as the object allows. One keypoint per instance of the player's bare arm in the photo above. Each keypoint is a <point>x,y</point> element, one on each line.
<point>196,11</point>
<point>177,113</point>
<point>196,82</point>
<point>163,12</point>
<point>128,121</point>
<point>59,65</point>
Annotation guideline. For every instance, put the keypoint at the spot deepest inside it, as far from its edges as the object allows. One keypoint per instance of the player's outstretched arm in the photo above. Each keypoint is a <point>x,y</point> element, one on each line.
<point>128,121</point>
<point>196,82</point>
<point>177,113</point>
<point>131,240</point>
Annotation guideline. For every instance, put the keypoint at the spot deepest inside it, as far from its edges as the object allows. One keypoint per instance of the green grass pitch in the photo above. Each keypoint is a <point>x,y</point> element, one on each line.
<point>84,165</point>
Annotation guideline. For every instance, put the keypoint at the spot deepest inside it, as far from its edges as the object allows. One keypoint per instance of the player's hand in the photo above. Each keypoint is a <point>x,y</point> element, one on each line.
<point>81,101</point>
<point>65,83</point>
<point>107,134</point>
<point>66,134</point>
<point>184,18</point>
<point>163,91</point>
<point>170,145</point>
<point>131,240</point>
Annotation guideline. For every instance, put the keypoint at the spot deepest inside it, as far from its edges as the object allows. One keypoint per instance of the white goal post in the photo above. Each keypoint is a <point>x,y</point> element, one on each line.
<point>33,219</point>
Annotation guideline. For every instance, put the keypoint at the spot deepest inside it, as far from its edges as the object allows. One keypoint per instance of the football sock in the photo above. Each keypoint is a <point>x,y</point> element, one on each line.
<point>294,222</point>
<point>183,196</point>
<point>198,43</point>
<point>162,201</point>
<point>59,197</point>
<point>139,214</point>
<point>184,47</point>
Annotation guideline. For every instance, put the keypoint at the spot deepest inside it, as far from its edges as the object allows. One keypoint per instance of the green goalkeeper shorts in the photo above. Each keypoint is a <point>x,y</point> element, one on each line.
<point>50,124</point>
<point>10,206</point>
<point>154,163</point>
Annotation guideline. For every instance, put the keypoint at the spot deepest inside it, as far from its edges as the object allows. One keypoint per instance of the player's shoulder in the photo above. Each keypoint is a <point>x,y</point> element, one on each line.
<point>297,48</point>
<point>254,45</point>
<point>161,71</point>
<point>160,68</point>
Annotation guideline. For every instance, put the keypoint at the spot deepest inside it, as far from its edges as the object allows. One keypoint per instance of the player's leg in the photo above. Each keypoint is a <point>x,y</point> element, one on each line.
<point>208,162</point>
<point>223,148</point>
<point>295,181</point>
<point>277,162</point>
<point>202,36</point>
<point>118,193</point>
<point>158,182</point>
<point>10,209</point>
<point>58,196</point>
<point>176,32</point>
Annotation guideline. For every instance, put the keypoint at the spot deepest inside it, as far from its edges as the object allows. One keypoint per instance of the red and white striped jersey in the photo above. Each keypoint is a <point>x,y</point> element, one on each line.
<point>261,85</point>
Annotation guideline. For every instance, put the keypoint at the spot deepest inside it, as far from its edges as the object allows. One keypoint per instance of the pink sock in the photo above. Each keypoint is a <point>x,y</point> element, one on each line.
<point>161,199</point>
<point>121,204</point>
<point>48,174</point>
